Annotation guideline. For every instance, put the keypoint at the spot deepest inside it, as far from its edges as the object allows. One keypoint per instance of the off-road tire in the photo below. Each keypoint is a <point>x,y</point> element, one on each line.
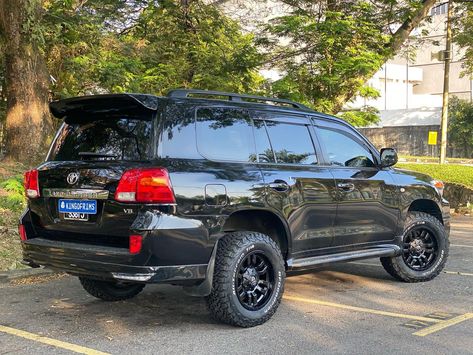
<point>110,291</point>
<point>398,268</point>
<point>223,301</point>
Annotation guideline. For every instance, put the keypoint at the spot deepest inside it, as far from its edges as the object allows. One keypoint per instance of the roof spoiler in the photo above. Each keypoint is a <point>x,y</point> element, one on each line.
<point>104,104</point>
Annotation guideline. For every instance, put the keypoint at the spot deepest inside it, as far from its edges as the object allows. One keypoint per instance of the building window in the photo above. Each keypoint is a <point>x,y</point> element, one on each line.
<point>439,10</point>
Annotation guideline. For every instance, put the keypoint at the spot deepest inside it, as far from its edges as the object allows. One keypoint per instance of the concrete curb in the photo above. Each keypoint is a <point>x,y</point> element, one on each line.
<point>8,276</point>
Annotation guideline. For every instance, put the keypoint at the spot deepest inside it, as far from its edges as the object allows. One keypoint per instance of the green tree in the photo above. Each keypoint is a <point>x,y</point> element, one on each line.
<point>27,122</point>
<point>463,33</point>
<point>330,49</point>
<point>62,48</point>
<point>460,126</point>
<point>161,46</point>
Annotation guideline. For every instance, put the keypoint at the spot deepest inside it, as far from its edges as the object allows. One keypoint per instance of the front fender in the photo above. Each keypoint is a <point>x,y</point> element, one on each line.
<point>414,186</point>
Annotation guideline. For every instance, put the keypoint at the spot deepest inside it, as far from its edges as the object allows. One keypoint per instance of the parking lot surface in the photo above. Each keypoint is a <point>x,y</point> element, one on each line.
<point>349,308</point>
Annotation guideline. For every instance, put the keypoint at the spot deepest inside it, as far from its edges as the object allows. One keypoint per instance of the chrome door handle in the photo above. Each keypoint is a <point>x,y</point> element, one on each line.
<point>346,186</point>
<point>279,185</point>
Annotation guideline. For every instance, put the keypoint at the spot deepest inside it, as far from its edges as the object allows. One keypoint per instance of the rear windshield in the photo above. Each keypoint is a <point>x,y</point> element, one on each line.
<point>112,138</point>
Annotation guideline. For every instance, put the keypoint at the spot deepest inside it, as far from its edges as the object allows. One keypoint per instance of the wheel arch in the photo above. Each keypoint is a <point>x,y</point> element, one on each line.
<point>426,206</point>
<point>262,221</point>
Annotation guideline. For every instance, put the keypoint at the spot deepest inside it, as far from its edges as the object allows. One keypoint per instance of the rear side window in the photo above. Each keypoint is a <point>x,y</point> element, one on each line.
<point>225,134</point>
<point>113,138</point>
<point>177,138</point>
<point>291,143</point>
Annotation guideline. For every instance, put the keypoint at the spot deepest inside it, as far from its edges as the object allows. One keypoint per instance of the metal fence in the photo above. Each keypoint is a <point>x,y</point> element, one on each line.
<point>410,140</point>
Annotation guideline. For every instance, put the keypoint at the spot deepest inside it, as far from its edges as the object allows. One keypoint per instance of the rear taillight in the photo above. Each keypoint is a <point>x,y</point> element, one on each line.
<point>31,184</point>
<point>136,242</point>
<point>150,185</point>
<point>22,232</point>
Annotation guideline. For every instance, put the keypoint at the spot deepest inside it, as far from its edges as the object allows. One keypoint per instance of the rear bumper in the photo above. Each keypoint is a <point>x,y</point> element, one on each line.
<point>175,250</point>
<point>106,263</point>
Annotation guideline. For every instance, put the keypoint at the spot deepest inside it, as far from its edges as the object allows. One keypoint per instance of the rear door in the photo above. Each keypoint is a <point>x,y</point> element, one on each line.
<point>85,163</point>
<point>296,185</point>
<point>211,159</point>
<point>367,209</point>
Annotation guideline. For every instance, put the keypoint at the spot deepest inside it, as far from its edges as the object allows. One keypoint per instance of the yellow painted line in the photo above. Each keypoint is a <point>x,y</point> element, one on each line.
<point>360,309</point>
<point>461,245</point>
<point>458,273</point>
<point>443,324</point>
<point>49,341</point>
<point>445,272</point>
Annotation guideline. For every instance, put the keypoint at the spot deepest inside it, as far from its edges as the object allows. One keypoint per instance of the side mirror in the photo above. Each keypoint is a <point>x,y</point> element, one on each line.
<point>388,157</point>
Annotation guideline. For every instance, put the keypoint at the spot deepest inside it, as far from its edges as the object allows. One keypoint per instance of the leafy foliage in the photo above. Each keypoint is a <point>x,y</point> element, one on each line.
<point>463,33</point>
<point>161,45</point>
<point>368,115</point>
<point>328,51</point>
<point>460,126</point>
<point>15,197</point>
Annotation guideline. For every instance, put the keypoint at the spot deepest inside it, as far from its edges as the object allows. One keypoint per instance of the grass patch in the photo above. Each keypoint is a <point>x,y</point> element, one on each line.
<point>453,173</point>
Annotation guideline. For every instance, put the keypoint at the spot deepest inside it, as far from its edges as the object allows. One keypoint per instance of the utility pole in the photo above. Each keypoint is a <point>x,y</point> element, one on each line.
<point>446,80</point>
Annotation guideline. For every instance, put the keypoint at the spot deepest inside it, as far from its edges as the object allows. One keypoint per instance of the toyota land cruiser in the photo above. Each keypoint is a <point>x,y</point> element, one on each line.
<point>223,194</point>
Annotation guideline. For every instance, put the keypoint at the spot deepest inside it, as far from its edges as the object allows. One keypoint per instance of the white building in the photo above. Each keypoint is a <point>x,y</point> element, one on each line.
<point>411,88</point>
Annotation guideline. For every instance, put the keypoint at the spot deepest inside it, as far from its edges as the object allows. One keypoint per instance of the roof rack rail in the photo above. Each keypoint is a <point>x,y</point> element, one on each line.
<point>184,93</point>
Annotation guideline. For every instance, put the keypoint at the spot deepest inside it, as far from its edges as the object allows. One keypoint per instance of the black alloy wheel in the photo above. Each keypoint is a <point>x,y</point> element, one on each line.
<point>254,282</point>
<point>420,248</point>
<point>248,280</point>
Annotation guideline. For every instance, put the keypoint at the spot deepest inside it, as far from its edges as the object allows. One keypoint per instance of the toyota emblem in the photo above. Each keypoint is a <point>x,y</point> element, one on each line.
<point>72,178</point>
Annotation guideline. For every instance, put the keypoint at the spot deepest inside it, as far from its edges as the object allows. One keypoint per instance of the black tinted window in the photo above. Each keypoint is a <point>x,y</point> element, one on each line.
<point>291,143</point>
<point>118,138</point>
<point>225,134</point>
<point>177,138</point>
<point>344,150</point>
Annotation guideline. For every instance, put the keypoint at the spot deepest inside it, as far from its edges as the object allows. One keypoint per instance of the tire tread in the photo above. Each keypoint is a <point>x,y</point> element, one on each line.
<point>228,249</point>
<point>391,264</point>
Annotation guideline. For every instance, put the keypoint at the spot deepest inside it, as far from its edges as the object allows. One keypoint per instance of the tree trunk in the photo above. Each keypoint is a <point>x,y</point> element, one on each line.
<point>190,29</point>
<point>28,125</point>
<point>395,44</point>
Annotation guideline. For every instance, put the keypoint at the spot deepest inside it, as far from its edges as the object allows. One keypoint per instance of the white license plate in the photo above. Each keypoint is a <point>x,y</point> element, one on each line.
<point>76,216</point>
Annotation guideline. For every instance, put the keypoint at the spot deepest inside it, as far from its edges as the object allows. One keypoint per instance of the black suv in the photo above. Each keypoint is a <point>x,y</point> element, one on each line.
<point>223,194</point>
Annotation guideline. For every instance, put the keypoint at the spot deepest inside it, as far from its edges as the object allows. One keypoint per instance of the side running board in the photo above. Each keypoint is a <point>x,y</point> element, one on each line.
<point>308,263</point>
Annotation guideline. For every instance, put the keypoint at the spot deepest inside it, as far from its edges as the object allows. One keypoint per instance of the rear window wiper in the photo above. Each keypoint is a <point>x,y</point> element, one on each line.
<point>97,155</point>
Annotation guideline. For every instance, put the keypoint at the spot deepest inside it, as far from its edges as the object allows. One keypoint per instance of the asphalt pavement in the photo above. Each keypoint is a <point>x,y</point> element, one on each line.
<point>354,308</point>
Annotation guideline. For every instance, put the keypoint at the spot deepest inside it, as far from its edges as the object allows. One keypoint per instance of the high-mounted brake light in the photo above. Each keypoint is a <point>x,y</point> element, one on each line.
<point>22,232</point>
<point>148,185</point>
<point>31,184</point>
<point>136,242</point>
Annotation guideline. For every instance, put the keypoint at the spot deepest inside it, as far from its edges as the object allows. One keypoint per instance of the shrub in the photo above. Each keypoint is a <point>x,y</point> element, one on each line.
<point>14,198</point>
<point>453,173</point>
